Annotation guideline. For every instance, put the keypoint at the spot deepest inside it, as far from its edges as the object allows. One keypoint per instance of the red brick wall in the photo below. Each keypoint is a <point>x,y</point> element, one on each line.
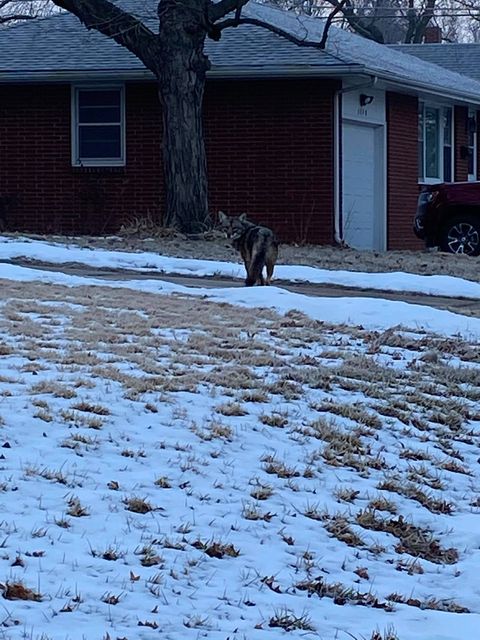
<point>44,193</point>
<point>269,147</point>
<point>270,154</point>
<point>402,170</point>
<point>460,138</point>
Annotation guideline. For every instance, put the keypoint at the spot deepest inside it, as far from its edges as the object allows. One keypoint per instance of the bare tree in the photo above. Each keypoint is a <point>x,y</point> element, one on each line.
<point>18,10</point>
<point>471,20</point>
<point>385,21</point>
<point>175,55</point>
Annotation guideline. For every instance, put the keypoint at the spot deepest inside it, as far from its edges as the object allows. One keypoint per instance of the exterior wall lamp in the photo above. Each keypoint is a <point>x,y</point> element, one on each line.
<point>364,99</point>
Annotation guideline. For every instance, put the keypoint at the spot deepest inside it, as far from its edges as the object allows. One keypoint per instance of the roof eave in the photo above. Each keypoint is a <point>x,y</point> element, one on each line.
<point>272,71</point>
<point>428,88</point>
<point>282,71</point>
<point>278,71</point>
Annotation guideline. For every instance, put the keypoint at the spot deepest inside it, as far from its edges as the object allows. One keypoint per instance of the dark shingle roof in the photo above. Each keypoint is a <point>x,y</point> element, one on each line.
<point>61,43</point>
<point>463,58</point>
<point>59,47</point>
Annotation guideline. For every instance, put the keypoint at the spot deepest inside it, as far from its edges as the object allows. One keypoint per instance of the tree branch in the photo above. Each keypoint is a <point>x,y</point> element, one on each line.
<point>15,17</point>
<point>328,22</point>
<point>220,9</point>
<point>358,24</point>
<point>302,42</point>
<point>423,21</point>
<point>119,25</point>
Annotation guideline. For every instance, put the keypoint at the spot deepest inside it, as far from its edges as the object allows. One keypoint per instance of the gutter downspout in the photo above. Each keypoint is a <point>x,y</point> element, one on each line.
<point>337,132</point>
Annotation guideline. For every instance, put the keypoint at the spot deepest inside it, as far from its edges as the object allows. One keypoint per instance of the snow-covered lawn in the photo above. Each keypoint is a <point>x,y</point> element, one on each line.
<point>59,253</point>
<point>370,313</point>
<point>178,467</point>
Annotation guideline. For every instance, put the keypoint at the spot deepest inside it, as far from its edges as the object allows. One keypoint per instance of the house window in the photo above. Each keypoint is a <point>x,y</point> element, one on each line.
<point>447,145</point>
<point>98,126</point>
<point>435,143</point>
<point>472,144</point>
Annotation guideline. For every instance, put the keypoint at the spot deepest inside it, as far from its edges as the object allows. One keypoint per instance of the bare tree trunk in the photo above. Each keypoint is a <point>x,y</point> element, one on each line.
<point>175,56</point>
<point>181,74</point>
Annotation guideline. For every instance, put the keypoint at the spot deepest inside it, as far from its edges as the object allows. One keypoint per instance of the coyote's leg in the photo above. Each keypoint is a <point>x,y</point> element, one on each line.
<point>270,263</point>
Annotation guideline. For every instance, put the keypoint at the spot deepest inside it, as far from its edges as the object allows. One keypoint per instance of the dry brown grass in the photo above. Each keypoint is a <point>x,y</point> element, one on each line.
<point>410,490</point>
<point>346,494</point>
<point>355,412</point>
<point>231,409</point>
<point>274,419</point>
<point>260,491</point>
<point>251,511</point>
<point>216,549</point>
<point>339,528</point>
<point>429,603</point>
<point>57,389</point>
<point>276,467</point>
<point>76,509</point>
<point>418,542</point>
<point>388,634</point>
<point>88,407</point>
<point>18,591</point>
<point>288,621</point>
<point>213,349</point>
<point>138,505</point>
<point>340,594</point>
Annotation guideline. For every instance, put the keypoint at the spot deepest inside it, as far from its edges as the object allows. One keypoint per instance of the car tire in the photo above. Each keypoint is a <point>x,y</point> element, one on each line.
<point>461,234</point>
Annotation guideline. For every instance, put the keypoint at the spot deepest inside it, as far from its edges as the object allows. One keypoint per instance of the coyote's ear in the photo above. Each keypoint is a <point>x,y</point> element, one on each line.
<point>242,217</point>
<point>222,217</point>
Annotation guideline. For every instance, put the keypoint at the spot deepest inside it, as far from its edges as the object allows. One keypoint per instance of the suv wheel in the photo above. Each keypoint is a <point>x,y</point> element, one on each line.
<point>461,235</point>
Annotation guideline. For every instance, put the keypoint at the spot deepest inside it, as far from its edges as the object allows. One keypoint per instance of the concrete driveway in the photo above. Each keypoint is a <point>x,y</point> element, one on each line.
<point>464,306</point>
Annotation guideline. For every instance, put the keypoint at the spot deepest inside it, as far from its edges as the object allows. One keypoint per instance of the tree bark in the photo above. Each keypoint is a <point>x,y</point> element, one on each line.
<point>182,73</point>
<point>175,55</point>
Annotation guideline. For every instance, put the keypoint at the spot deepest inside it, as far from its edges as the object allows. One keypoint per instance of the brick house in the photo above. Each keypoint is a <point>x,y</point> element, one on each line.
<point>323,146</point>
<point>460,57</point>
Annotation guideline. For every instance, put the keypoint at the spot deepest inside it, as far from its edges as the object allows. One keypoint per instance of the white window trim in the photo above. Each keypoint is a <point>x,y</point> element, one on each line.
<point>472,177</point>
<point>96,162</point>
<point>441,107</point>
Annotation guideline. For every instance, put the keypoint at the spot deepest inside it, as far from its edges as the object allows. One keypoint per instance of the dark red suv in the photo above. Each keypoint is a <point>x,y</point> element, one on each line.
<point>448,216</point>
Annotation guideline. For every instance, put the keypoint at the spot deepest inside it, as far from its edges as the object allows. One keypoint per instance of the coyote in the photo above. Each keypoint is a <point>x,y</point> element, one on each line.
<point>258,246</point>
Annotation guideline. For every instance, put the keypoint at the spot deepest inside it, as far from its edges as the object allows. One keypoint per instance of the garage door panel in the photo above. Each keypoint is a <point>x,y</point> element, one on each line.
<point>362,209</point>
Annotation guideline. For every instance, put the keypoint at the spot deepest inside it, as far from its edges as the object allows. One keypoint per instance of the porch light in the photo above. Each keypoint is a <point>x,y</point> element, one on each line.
<point>365,99</point>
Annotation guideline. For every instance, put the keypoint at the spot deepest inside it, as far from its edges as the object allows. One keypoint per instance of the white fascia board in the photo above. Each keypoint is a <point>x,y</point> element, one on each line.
<point>394,83</point>
<point>333,71</point>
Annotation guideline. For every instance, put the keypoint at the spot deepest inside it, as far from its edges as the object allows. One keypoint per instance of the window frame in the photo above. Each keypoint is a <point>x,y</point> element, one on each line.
<point>422,106</point>
<point>75,127</point>
<point>472,113</point>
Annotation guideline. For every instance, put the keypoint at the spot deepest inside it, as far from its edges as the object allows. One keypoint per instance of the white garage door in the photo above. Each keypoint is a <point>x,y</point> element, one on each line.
<point>363,211</point>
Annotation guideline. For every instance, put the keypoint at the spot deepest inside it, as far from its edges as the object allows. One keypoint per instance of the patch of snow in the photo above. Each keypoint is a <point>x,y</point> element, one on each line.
<point>57,253</point>
<point>370,313</point>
